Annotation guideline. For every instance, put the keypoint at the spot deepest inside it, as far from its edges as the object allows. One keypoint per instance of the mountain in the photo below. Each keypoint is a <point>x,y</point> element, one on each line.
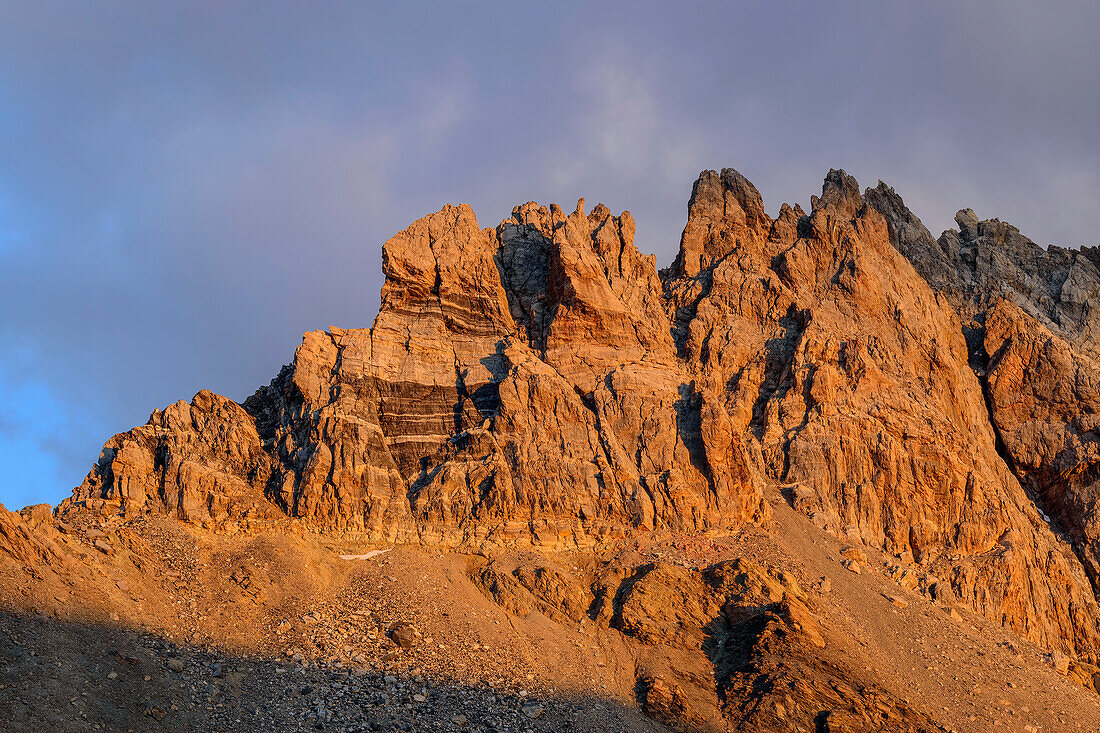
<point>717,469</point>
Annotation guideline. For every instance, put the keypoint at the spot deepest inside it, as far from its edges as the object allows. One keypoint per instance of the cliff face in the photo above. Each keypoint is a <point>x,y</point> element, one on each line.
<point>985,262</point>
<point>1031,317</point>
<point>831,351</point>
<point>519,384</point>
<point>542,383</point>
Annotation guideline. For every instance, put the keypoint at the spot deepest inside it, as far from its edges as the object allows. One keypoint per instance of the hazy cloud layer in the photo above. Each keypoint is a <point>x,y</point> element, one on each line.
<point>184,190</point>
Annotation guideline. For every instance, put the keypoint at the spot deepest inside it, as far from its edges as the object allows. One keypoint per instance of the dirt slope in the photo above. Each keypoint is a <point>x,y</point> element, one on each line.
<point>276,631</point>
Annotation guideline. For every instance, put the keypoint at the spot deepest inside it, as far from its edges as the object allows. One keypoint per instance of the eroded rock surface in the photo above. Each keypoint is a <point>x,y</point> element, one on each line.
<point>985,261</point>
<point>197,461</point>
<point>1030,318</point>
<point>733,646</point>
<point>541,382</point>
<point>519,384</point>
<point>1045,402</point>
<point>827,347</point>
<point>30,537</point>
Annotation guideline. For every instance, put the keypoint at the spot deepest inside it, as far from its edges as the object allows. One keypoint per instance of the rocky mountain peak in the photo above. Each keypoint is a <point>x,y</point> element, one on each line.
<point>725,212</point>
<point>840,193</point>
<point>540,383</point>
<point>754,480</point>
<point>968,223</point>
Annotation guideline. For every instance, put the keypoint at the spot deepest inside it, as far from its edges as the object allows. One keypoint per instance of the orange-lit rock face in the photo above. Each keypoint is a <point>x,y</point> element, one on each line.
<point>519,384</point>
<point>541,382</point>
<point>1045,402</point>
<point>1030,318</point>
<point>828,348</point>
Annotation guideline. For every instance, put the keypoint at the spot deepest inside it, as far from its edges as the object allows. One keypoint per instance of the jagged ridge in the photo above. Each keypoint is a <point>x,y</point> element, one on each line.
<point>541,382</point>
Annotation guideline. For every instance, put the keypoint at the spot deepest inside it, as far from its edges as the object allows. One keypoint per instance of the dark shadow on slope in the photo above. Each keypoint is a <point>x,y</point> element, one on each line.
<point>61,676</point>
<point>768,676</point>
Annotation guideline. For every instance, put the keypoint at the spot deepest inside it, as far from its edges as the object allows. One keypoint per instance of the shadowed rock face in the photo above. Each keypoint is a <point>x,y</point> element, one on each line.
<point>984,262</point>
<point>542,383</point>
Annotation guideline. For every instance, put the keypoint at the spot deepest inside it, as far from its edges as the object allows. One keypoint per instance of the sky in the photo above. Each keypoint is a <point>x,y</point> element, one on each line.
<point>185,188</point>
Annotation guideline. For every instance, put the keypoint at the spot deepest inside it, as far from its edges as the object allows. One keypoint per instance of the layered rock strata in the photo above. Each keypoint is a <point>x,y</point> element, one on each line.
<point>520,383</point>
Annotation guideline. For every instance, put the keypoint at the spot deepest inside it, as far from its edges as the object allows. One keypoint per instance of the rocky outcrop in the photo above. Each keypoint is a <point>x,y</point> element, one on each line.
<point>1044,399</point>
<point>734,646</point>
<point>983,262</point>
<point>520,384</point>
<point>31,538</point>
<point>542,383</point>
<point>198,462</point>
<point>831,351</point>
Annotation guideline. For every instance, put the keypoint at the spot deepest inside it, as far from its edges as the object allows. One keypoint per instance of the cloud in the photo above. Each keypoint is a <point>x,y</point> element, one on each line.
<point>620,128</point>
<point>445,106</point>
<point>624,123</point>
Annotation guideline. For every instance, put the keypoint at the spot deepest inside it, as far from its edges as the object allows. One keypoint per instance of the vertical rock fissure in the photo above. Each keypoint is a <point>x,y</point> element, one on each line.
<point>982,360</point>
